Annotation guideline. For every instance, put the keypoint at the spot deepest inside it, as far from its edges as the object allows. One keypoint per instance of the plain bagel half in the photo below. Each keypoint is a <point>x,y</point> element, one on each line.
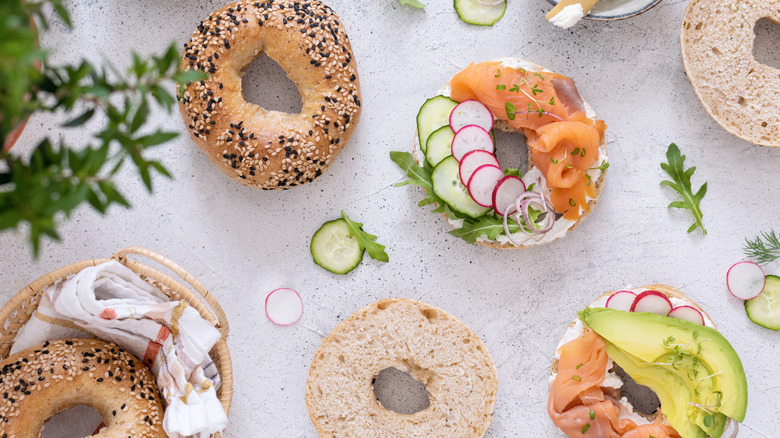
<point>271,150</point>
<point>741,94</point>
<point>433,346</point>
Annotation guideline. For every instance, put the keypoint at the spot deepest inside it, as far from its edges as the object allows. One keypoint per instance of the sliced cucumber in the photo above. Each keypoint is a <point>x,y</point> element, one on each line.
<point>447,186</point>
<point>439,145</point>
<point>334,250</point>
<point>764,309</point>
<point>434,114</point>
<point>474,12</point>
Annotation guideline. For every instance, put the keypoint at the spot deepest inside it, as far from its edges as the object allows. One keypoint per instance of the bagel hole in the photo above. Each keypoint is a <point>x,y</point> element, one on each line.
<point>511,150</point>
<point>76,422</point>
<point>266,84</point>
<point>641,397</point>
<point>399,392</point>
<point>765,47</point>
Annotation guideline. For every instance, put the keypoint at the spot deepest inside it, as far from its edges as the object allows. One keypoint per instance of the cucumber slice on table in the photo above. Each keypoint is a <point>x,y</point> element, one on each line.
<point>439,145</point>
<point>334,250</point>
<point>434,114</point>
<point>474,12</point>
<point>447,186</point>
<point>764,309</point>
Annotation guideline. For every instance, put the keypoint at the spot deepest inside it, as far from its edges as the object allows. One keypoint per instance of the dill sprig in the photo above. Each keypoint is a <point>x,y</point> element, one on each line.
<point>765,248</point>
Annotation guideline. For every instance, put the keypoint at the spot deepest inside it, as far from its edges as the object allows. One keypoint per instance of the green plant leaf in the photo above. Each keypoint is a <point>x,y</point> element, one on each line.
<point>80,120</point>
<point>413,3</point>
<point>366,241</point>
<point>141,114</point>
<point>681,183</point>
<point>156,138</point>
<point>489,225</point>
<point>419,176</point>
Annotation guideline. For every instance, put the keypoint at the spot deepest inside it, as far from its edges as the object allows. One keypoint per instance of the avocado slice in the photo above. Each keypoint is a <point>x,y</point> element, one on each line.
<point>681,345</point>
<point>675,396</point>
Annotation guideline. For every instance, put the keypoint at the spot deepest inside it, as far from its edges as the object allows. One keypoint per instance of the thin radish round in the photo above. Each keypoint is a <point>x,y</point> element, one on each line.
<point>687,313</point>
<point>471,138</point>
<point>482,183</point>
<point>471,112</point>
<point>506,191</point>
<point>653,302</point>
<point>621,300</point>
<point>745,280</point>
<point>283,306</point>
<point>472,160</point>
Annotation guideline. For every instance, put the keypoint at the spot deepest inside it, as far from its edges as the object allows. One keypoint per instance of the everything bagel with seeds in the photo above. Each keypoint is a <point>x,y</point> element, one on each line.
<point>266,149</point>
<point>40,381</point>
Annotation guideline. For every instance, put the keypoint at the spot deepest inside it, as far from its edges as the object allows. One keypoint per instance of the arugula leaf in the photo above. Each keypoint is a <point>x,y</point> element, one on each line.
<point>365,240</point>
<point>682,184</point>
<point>489,225</point>
<point>413,3</point>
<point>419,176</point>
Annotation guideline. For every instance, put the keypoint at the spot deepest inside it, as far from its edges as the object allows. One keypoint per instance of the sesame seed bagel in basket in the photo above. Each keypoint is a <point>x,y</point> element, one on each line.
<point>430,344</point>
<point>486,203</point>
<point>119,336</point>
<point>269,149</point>
<point>653,336</point>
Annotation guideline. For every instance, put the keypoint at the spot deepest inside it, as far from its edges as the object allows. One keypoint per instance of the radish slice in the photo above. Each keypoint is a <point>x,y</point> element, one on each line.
<point>687,313</point>
<point>507,190</point>
<point>621,300</point>
<point>283,306</point>
<point>472,160</point>
<point>653,302</point>
<point>471,112</point>
<point>482,183</point>
<point>745,280</point>
<point>471,138</point>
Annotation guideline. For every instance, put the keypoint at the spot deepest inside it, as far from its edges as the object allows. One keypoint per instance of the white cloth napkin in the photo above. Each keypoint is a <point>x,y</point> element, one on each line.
<point>113,303</point>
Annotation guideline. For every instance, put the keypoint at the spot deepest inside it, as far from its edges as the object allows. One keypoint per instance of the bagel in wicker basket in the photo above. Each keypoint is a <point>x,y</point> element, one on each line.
<point>20,308</point>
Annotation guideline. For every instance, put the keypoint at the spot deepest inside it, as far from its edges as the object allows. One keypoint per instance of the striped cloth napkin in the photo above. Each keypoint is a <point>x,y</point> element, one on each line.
<point>113,303</point>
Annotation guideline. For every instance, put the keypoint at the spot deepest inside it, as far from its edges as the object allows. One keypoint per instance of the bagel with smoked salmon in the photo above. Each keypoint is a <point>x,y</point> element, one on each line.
<point>661,339</point>
<point>486,202</point>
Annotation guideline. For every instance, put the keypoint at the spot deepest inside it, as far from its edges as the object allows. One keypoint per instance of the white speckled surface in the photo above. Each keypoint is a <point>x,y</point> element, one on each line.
<point>242,243</point>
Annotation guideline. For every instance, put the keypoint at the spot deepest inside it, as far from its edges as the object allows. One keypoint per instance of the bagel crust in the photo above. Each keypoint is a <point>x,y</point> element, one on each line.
<point>271,150</point>
<point>40,381</point>
<point>433,346</point>
<point>741,94</point>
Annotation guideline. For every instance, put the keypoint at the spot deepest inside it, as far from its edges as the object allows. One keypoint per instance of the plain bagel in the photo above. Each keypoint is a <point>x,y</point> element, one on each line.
<point>741,94</point>
<point>562,226</point>
<point>40,381</point>
<point>433,346</point>
<point>254,146</point>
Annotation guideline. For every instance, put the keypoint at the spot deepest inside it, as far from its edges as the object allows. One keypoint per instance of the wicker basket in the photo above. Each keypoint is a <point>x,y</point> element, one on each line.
<point>21,306</point>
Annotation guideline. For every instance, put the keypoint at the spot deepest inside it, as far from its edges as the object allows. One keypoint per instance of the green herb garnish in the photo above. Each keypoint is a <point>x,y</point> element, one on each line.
<point>500,87</point>
<point>413,3</point>
<point>578,366</point>
<point>58,176</point>
<point>592,415</point>
<point>681,183</point>
<point>765,248</point>
<point>576,378</point>
<point>365,240</point>
<point>489,225</point>
<point>585,429</point>
<point>510,110</point>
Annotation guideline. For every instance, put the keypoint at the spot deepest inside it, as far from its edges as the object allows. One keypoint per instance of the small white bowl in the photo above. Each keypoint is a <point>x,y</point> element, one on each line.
<point>607,10</point>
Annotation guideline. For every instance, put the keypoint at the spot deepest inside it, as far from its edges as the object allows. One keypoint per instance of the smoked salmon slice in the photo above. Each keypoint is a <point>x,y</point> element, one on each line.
<point>564,142</point>
<point>580,407</point>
